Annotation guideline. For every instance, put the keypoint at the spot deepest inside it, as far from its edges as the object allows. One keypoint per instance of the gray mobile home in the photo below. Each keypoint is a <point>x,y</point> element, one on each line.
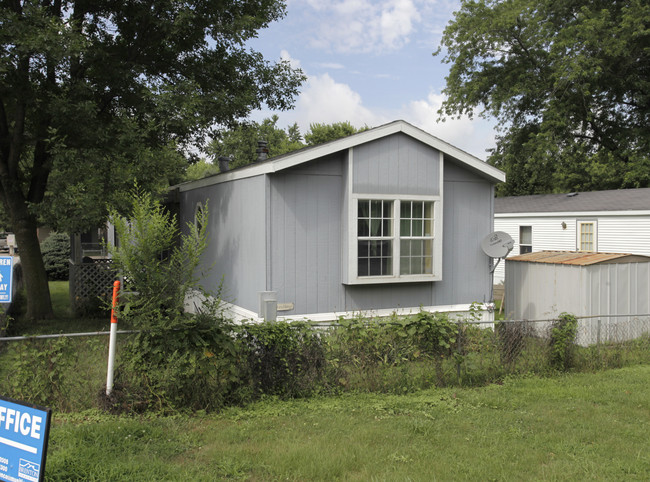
<point>389,219</point>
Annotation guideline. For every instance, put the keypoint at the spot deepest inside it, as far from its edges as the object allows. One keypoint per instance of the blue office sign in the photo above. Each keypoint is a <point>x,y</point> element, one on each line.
<point>6,271</point>
<point>24,430</point>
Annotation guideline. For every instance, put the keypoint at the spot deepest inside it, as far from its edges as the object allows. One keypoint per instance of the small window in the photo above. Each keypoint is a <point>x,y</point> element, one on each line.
<point>525,239</point>
<point>587,236</point>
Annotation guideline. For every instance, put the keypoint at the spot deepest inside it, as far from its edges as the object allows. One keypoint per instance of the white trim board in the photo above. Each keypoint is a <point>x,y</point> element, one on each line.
<point>289,160</point>
<point>240,314</point>
<point>578,214</point>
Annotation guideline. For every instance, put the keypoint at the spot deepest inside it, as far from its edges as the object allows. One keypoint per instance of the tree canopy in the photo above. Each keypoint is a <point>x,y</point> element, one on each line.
<point>96,94</point>
<point>240,143</point>
<point>567,81</point>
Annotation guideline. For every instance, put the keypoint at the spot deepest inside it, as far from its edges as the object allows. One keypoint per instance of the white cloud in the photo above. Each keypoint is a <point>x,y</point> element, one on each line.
<point>326,101</point>
<point>397,22</point>
<point>471,135</point>
<point>329,65</point>
<point>295,63</point>
<point>364,25</point>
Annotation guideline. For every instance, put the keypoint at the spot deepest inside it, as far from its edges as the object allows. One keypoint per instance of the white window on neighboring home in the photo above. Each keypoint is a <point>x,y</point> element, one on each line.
<point>525,239</point>
<point>587,235</point>
<point>397,239</point>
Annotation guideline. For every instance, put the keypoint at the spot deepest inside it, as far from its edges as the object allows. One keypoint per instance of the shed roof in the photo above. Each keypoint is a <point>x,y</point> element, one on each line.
<point>301,156</point>
<point>577,258</point>
<point>613,200</point>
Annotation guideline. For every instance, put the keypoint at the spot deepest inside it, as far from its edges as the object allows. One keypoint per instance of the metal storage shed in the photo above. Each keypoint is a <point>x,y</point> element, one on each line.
<point>609,285</point>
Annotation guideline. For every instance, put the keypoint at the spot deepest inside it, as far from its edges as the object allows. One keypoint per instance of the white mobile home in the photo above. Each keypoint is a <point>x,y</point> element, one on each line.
<point>387,219</point>
<point>616,221</point>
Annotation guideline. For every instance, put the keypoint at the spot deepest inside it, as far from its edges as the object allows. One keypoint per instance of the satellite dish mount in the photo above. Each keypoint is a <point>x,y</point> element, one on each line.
<point>497,245</point>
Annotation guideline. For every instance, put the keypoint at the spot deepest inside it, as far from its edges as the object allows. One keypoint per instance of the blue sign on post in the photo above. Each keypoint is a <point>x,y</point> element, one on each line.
<point>24,430</point>
<point>6,271</point>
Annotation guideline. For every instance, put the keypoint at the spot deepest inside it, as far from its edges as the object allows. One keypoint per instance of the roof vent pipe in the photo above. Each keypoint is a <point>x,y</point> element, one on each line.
<point>224,162</point>
<point>262,151</point>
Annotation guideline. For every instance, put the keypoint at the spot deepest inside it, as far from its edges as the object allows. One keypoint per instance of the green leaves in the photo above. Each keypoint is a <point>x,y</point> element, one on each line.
<point>567,82</point>
<point>153,265</point>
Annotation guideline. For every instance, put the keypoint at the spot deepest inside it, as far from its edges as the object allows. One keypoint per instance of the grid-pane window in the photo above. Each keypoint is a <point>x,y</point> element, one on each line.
<point>416,237</point>
<point>375,237</point>
<point>525,239</point>
<point>587,238</point>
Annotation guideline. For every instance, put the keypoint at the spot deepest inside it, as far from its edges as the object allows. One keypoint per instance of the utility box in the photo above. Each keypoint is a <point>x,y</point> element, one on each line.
<point>268,305</point>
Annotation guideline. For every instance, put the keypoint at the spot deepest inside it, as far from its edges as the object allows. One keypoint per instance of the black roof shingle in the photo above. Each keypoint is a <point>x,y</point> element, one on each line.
<point>614,200</point>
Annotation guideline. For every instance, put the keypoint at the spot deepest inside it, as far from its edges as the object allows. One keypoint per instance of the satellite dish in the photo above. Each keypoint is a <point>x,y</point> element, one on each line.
<point>497,244</point>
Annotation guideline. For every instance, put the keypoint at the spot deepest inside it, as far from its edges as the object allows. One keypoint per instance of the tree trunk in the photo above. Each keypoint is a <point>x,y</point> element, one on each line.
<point>39,304</point>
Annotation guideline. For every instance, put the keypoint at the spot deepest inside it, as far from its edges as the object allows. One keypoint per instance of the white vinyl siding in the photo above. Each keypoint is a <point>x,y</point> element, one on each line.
<point>616,233</point>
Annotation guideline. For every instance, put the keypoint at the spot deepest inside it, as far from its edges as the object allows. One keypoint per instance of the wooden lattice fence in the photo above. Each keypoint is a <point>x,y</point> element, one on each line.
<point>91,285</point>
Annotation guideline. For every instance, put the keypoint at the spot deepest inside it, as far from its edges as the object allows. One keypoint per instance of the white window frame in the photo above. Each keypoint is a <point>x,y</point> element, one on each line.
<point>584,222</point>
<point>526,245</point>
<point>395,277</point>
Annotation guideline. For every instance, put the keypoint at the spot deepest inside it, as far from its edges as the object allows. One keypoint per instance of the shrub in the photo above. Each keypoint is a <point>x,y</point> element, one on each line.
<point>562,342</point>
<point>178,360</point>
<point>287,360</point>
<point>157,262</point>
<point>191,363</point>
<point>56,256</point>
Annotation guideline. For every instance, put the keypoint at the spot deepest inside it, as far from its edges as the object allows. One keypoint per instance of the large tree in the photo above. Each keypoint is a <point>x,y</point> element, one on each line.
<point>567,81</point>
<point>95,93</point>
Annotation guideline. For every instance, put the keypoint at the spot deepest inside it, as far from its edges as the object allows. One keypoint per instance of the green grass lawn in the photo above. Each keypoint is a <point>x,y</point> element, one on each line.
<point>574,427</point>
<point>64,321</point>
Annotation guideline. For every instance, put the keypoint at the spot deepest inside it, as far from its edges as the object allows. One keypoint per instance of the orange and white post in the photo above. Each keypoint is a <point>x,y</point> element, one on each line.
<point>113,338</point>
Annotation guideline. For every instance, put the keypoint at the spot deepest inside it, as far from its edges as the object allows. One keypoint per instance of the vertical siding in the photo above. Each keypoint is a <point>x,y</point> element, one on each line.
<point>236,249</point>
<point>621,289</point>
<point>467,219</point>
<point>305,235</point>
<point>396,164</point>
<point>537,291</point>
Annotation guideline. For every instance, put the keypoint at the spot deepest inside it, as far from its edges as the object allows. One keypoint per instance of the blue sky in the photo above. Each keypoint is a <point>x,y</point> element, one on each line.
<point>370,62</point>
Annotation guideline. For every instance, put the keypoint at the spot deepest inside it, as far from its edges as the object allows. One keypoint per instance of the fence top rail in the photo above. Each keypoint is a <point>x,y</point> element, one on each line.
<point>314,325</point>
<point>65,335</point>
<point>633,315</point>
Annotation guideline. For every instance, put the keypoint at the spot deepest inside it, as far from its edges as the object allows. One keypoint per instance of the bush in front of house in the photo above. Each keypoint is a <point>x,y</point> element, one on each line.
<point>282,359</point>
<point>56,256</point>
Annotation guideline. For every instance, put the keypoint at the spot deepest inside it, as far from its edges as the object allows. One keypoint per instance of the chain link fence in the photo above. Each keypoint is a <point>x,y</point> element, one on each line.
<point>488,351</point>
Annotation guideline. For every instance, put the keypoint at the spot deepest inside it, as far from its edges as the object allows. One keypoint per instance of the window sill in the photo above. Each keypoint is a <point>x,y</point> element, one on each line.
<point>375,280</point>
